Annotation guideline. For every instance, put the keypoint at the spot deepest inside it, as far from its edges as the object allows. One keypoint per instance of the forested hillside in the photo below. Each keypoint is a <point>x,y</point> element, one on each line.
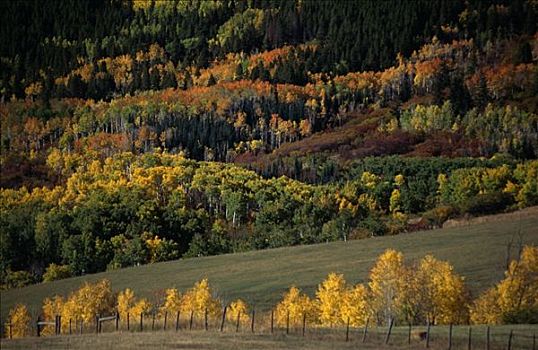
<point>139,131</point>
<point>44,40</point>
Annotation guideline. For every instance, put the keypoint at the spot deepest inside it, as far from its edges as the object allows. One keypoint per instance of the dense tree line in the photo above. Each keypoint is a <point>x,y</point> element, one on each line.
<point>51,36</point>
<point>112,113</point>
<point>434,103</point>
<point>127,210</point>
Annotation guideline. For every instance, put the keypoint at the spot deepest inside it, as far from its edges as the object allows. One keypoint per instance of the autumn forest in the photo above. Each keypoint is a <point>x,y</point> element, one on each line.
<point>141,131</point>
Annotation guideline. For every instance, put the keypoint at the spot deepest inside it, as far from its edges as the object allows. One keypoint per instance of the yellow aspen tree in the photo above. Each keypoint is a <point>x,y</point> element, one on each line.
<point>51,308</point>
<point>199,298</point>
<point>513,298</point>
<point>385,284</point>
<point>519,290</point>
<point>411,296</point>
<point>395,201</point>
<point>329,297</point>
<point>354,306</point>
<point>443,190</point>
<point>369,180</point>
<point>296,305</point>
<point>399,180</point>
<point>368,201</point>
<point>142,306</point>
<point>236,307</point>
<point>68,309</point>
<point>20,319</point>
<point>485,309</point>
<point>71,309</point>
<point>92,299</point>
<point>153,245</point>
<point>526,174</point>
<point>444,294</point>
<point>172,301</point>
<point>127,303</point>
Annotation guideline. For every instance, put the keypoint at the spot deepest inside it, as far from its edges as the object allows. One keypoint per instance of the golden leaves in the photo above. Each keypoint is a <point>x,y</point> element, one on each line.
<point>199,298</point>
<point>443,291</point>
<point>236,308</point>
<point>127,303</point>
<point>173,301</point>
<point>512,297</point>
<point>330,295</point>
<point>83,304</point>
<point>430,290</point>
<point>354,306</point>
<point>19,319</point>
<point>294,305</point>
<point>385,283</point>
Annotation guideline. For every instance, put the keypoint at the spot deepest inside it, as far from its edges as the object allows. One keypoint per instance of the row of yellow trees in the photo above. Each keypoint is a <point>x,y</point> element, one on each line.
<point>426,291</point>
<point>429,290</point>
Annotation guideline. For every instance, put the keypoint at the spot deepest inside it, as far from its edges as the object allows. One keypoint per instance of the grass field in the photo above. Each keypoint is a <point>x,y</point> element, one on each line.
<point>477,252</point>
<point>313,339</point>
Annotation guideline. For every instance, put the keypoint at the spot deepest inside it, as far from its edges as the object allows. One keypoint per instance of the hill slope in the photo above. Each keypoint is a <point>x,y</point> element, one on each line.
<point>477,251</point>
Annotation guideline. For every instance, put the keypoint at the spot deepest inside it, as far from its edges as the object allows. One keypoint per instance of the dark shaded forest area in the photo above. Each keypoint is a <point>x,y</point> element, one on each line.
<point>142,131</point>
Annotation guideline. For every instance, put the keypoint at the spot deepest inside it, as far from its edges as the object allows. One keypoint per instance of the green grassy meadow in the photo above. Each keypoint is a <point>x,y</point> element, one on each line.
<point>477,251</point>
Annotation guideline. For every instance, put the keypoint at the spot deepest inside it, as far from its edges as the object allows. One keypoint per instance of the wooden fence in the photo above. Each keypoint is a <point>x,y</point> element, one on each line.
<point>419,334</point>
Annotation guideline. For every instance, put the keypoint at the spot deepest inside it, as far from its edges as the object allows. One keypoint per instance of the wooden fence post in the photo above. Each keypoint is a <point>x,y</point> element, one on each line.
<point>38,331</point>
<point>365,330</point>
<point>141,321</point>
<point>191,320</point>
<point>97,324</point>
<point>389,331</point>
<point>428,334</point>
<point>70,329</point>
<point>510,336</point>
<point>128,326</point>
<point>450,337</point>
<point>347,329</point>
<point>409,334</point>
<point>117,321</point>
<point>469,341</point>
<point>272,320</point>
<point>206,326</point>
<point>165,319</point>
<point>56,325</point>
<point>153,322</point>
<point>252,321</point>
<point>238,319</point>
<point>304,323</point>
<point>487,338</point>
<point>288,322</point>
<point>59,324</point>
<point>223,319</point>
<point>177,321</point>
